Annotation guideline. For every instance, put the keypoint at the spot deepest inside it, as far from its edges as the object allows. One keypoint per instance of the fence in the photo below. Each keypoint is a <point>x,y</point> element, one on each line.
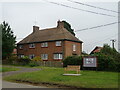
<point>50,63</point>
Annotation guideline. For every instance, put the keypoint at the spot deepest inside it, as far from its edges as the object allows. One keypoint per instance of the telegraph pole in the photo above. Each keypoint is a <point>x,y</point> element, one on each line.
<point>113,41</point>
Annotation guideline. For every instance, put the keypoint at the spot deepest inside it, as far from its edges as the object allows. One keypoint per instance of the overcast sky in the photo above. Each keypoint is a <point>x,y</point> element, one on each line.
<point>22,16</point>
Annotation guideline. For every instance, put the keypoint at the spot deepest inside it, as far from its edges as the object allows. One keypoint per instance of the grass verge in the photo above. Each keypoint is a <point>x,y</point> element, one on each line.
<point>88,79</point>
<point>7,69</point>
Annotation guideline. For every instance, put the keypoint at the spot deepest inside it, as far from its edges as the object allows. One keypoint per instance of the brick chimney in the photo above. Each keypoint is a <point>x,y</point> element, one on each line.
<point>35,28</point>
<point>60,24</point>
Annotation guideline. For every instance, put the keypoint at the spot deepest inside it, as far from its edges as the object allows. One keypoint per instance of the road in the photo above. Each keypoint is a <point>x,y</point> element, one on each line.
<point>6,84</point>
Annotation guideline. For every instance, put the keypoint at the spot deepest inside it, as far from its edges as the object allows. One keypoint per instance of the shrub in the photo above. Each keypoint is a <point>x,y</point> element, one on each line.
<point>72,60</point>
<point>106,63</point>
<point>37,59</point>
<point>10,60</point>
<point>24,60</point>
<point>33,64</point>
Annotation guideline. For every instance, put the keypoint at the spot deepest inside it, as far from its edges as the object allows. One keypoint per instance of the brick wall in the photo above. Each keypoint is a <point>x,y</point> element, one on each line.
<point>51,49</point>
<point>69,48</point>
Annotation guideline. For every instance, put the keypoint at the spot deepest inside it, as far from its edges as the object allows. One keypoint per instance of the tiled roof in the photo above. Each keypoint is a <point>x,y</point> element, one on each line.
<point>57,33</point>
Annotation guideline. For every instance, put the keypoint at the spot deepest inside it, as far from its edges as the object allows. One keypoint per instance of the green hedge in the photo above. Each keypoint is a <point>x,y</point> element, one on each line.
<point>105,63</point>
<point>72,60</point>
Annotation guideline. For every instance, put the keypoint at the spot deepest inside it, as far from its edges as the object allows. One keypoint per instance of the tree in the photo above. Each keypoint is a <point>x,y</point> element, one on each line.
<point>108,59</point>
<point>8,40</point>
<point>111,52</point>
<point>68,27</point>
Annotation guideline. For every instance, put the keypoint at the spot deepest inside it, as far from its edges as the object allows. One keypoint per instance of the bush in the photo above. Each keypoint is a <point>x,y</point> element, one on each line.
<point>24,60</point>
<point>37,59</point>
<point>10,60</point>
<point>72,60</point>
<point>106,63</point>
<point>33,64</point>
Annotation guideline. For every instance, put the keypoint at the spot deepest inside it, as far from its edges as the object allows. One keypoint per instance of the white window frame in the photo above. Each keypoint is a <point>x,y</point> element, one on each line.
<point>58,43</point>
<point>31,56</point>
<point>20,46</point>
<point>44,56</point>
<point>32,45</point>
<point>58,56</point>
<point>45,44</point>
<point>21,55</point>
<point>74,47</point>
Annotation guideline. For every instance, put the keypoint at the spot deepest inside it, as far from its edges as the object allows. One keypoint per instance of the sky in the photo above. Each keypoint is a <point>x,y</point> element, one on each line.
<point>23,15</point>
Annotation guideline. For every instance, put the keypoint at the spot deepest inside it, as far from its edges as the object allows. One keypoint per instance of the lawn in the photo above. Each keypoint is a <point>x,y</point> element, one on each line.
<point>7,69</point>
<point>88,79</point>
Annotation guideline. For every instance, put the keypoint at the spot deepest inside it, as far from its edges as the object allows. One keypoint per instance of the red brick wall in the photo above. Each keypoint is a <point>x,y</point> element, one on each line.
<point>38,50</point>
<point>69,48</point>
<point>52,48</point>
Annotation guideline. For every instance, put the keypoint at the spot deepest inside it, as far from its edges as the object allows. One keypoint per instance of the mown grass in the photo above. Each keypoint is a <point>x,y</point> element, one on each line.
<point>88,79</point>
<point>7,69</point>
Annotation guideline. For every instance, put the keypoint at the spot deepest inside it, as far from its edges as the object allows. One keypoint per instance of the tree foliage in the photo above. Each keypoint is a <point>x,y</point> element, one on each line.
<point>68,27</point>
<point>8,40</point>
<point>111,52</point>
<point>108,59</point>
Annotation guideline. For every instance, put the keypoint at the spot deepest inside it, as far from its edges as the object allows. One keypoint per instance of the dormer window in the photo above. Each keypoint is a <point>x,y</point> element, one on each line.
<point>20,46</point>
<point>45,44</point>
<point>58,43</point>
<point>32,45</point>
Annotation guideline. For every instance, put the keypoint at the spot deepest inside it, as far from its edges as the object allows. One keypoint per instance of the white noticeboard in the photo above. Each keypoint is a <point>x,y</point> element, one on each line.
<point>90,62</point>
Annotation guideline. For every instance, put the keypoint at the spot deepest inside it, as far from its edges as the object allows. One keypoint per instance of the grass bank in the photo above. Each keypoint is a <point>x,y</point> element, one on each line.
<point>88,79</point>
<point>7,69</point>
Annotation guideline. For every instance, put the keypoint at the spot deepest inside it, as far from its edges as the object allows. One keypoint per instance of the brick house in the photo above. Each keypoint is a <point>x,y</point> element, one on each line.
<point>50,44</point>
<point>97,49</point>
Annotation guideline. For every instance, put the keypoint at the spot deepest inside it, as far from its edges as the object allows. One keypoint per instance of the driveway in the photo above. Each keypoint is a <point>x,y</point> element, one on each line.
<point>6,84</point>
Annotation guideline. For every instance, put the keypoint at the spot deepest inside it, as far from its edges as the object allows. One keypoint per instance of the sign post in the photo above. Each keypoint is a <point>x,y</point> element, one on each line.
<point>90,62</point>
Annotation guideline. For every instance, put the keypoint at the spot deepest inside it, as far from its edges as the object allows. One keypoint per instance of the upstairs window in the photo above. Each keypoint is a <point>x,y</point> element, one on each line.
<point>20,46</point>
<point>74,47</point>
<point>58,43</point>
<point>58,56</point>
<point>31,56</point>
<point>44,56</point>
<point>45,44</point>
<point>32,45</point>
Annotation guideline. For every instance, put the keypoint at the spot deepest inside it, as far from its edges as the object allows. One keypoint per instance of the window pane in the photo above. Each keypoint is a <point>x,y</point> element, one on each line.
<point>58,56</point>
<point>20,46</point>
<point>74,47</point>
<point>31,56</point>
<point>44,44</point>
<point>44,56</point>
<point>58,43</point>
<point>32,45</point>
